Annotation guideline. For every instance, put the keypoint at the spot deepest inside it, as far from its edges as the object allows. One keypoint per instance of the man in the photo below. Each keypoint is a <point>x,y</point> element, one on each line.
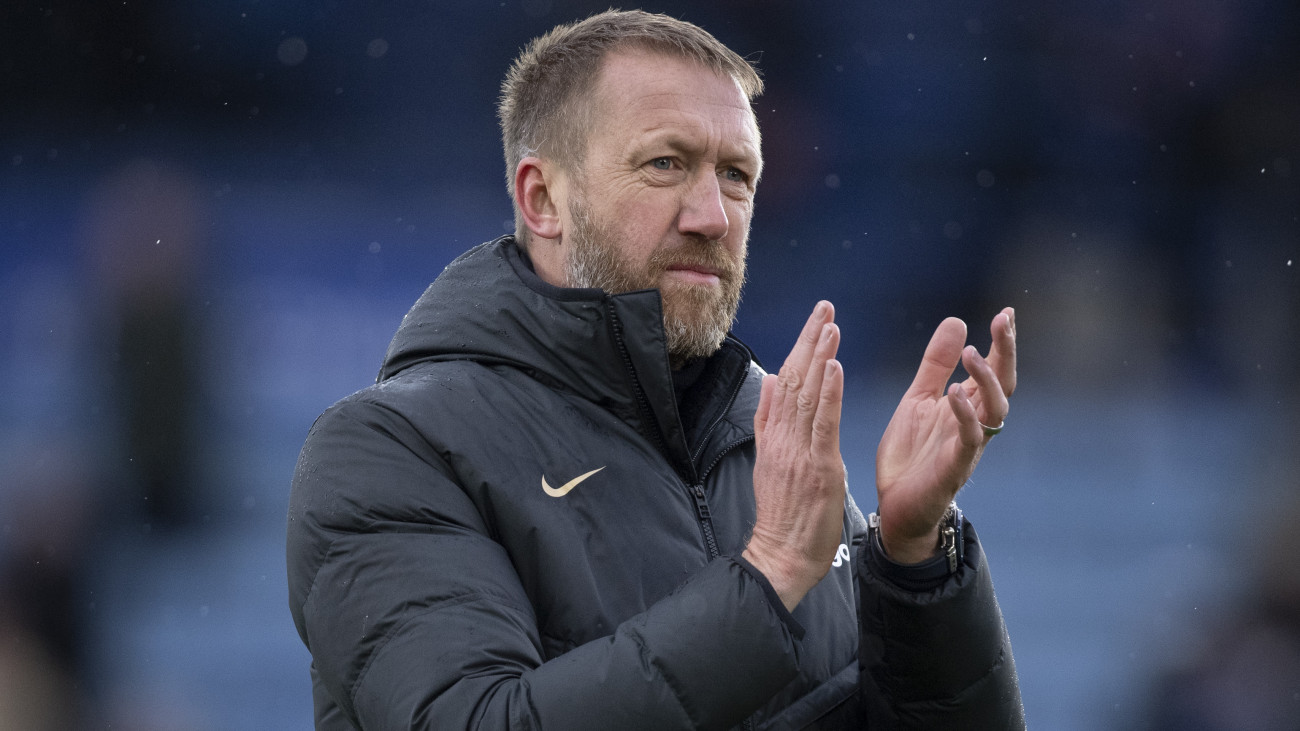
<point>571,501</point>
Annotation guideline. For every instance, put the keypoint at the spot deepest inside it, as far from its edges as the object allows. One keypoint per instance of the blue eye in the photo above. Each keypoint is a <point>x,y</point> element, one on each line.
<point>662,163</point>
<point>736,175</point>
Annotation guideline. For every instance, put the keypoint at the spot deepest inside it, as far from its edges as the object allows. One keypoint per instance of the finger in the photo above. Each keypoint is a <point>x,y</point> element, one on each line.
<point>809,398</point>
<point>992,400</point>
<point>940,359</point>
<point>795,369</point>
<point>969,430</point>
<point>765,391</point>
<point>826,424</point>
<point>806,344</point>
<point>1002,354</point>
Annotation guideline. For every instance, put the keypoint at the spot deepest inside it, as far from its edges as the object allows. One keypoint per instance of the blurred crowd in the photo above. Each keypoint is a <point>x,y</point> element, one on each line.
<point>213,214</point>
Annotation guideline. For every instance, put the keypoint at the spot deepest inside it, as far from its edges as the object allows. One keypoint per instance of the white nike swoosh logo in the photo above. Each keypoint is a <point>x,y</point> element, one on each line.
<point>564,489</point>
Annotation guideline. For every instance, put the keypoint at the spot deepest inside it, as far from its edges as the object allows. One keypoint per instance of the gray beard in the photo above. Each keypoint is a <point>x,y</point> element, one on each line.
<point>696,320</point>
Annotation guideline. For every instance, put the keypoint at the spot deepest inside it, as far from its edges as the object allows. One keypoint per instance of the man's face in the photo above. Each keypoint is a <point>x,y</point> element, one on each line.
<point>665,194</point>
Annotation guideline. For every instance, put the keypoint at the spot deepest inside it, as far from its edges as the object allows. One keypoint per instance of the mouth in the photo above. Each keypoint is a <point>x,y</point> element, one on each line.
<point>694,273</point>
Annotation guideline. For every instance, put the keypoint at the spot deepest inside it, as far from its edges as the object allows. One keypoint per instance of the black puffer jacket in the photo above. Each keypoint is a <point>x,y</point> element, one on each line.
<point>441,581</point>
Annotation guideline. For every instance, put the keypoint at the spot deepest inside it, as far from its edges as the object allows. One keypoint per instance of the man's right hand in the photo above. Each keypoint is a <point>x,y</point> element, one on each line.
<point>799,477</point>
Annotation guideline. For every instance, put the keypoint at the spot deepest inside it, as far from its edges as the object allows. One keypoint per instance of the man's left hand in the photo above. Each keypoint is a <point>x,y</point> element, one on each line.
<point>934,440</point>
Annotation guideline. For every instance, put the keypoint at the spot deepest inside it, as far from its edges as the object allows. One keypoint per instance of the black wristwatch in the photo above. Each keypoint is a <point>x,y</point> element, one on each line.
<point>951,544</point>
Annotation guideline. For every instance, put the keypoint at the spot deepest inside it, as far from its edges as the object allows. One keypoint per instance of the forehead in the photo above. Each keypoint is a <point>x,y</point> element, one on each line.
<point>642,94</point>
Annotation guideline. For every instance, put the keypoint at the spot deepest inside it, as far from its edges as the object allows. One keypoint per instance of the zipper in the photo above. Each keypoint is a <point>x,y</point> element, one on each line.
<point>651,430</point>
<point>656,437</point>
<point>697,491</point>
<point>702,503</point>
<point>706,526</point>
<point>722,453</point>
<point>706,520</point>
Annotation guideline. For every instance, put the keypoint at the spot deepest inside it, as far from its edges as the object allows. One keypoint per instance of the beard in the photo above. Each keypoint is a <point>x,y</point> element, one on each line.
<point>696,317</point>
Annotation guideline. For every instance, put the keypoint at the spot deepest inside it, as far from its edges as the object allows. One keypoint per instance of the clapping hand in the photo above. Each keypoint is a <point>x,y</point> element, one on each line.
<point>935,439</point>
<point>799,479</point>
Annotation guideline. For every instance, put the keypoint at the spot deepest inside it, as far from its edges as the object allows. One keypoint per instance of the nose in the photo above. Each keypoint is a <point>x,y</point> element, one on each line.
<point>702,211</point>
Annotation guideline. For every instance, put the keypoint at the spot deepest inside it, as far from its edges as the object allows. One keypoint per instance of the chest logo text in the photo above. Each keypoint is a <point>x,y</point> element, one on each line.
<point>841,555</point>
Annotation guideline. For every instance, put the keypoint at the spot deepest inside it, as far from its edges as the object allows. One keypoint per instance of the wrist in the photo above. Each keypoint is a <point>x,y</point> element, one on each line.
<point>944,539</point>
<point>789,583</point>
<point>911,551</point>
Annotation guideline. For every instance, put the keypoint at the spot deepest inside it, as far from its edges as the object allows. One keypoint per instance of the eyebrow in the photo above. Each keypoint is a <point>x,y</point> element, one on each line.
<point>656,136</point>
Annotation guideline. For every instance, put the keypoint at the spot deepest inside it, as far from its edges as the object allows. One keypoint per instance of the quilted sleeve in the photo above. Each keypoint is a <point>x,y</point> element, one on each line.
<point>938,658</point>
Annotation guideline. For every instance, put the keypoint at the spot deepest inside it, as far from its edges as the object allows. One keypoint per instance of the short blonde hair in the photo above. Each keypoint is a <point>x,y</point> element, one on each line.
<point>545,107</point>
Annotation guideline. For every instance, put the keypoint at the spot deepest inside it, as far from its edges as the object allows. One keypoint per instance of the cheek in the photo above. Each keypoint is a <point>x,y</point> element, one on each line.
<point>634,232</point>
<point>648,219</point>
<point>739,214</point>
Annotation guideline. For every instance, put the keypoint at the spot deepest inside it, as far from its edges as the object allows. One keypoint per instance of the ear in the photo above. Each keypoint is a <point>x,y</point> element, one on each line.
<point>538,190</point>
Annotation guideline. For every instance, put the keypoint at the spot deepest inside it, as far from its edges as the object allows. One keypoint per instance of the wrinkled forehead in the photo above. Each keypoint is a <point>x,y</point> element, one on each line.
<point>639,91</point>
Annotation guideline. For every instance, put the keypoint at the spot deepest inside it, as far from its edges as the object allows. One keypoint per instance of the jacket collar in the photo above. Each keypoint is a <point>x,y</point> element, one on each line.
<point>489,306</point>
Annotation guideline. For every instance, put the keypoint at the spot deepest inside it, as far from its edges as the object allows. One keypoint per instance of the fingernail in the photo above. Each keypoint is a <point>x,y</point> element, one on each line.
<point>826,333</point>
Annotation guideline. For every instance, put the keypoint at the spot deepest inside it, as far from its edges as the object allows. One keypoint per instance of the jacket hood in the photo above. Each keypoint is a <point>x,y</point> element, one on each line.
<point>489,306</point>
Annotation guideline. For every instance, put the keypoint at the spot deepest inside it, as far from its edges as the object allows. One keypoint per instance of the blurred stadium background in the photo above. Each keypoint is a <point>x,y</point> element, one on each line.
<point>214,213</point>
